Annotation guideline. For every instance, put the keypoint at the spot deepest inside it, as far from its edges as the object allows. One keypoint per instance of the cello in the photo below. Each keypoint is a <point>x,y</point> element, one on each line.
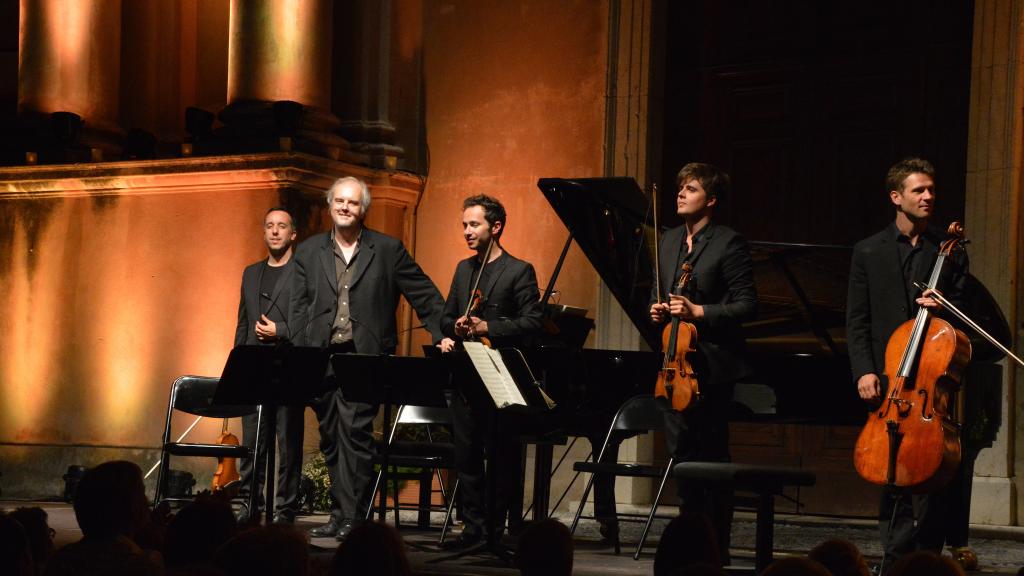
<point>912,441</point>
<point>677,381</point>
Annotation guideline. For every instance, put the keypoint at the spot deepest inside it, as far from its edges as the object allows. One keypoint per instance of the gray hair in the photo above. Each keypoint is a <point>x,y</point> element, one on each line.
<point>365,199</point>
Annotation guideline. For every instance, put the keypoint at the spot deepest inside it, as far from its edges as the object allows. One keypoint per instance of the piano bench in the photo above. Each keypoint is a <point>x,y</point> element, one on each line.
<point>766,482</point>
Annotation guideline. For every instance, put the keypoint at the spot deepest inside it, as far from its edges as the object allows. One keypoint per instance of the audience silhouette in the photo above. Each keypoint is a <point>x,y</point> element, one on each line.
<point>371,548</point>
<point>545,549</point>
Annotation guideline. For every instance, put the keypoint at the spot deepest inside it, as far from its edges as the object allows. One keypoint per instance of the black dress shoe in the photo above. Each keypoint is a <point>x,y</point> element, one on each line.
<point>328,530</point>
<point>468,538</point>
<point>609,531</point>
<point>245,519</point>
<point>346,528</point>
<point>284,518</point>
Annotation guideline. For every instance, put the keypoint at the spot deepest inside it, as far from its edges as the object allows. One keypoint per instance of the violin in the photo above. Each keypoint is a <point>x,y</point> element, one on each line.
<point>912,440</point>
<point>227,469</point>
<point>677,381</point>
<point>476,298</point>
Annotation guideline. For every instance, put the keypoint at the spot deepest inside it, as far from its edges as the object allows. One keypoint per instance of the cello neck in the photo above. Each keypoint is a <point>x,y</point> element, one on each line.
<point>920,323</point>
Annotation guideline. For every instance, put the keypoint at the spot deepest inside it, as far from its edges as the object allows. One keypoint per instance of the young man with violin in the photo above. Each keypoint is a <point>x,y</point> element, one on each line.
<point>262,309</point>
<point>504,308</point>
<point>883,295</point>
<point>348,281</point>
<point>720,296</point>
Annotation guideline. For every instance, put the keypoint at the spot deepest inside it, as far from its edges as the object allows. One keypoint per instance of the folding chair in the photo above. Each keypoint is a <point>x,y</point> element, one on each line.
<point>638,415</point>
<point>418,454</point>
<point>194,395</point>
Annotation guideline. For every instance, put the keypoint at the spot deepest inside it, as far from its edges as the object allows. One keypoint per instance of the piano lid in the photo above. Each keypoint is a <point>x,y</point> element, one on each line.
<point>607,218</point>
<point>801,288</point>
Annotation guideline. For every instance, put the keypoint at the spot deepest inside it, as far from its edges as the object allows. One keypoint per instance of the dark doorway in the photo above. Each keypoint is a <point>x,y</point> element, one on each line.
<point>806,105</point>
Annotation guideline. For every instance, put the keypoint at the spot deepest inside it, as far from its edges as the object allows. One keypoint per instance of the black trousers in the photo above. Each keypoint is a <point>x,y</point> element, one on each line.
<point>470,429</point>
<point>701,434</point>
<point>346,441</point>
<point>909,522</point>
<point>290,428</point>
<point>604,484</point>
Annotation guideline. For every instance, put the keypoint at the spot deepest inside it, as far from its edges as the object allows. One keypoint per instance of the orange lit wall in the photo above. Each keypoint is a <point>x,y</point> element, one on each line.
<point>117,278</point>
<point>514,92</point>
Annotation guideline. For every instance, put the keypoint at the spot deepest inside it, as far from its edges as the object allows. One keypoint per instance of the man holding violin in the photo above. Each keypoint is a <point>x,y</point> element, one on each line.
<point>261,320</point>
<point>719,298</point>
<point>883,294</point>
<point>493,297</point>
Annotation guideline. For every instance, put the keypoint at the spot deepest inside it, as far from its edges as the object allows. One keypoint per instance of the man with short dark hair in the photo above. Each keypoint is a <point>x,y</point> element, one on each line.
<point>720,297</point>
<point>348,282</point>
<point>505,308</point>
<point>882,295</point>
<point>262,320</point>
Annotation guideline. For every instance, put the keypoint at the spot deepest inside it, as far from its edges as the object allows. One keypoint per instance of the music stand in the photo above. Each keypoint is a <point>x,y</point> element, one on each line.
<point>388,381</point>
<point>468,381</point>
<point>271,376</point>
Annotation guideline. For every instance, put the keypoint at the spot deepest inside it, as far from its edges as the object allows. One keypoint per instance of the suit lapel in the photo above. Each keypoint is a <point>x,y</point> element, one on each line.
<point>691,258</point>
<point>894,266</point>
<point>327,263</point>
<point>366,253</point>
<point>497,267</point>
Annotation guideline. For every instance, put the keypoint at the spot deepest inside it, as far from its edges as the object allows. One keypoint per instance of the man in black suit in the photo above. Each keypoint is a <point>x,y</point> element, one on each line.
<point>719,298</point>
<point>881,296</point>
<point>262,309</point>
<point>346,290</point>
<point>506,309</point>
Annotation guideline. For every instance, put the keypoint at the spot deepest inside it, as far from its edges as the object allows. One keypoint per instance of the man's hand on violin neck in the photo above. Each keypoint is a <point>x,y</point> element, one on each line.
<point>869,387</point>
<point>682,307</point>
<point>659,312</point>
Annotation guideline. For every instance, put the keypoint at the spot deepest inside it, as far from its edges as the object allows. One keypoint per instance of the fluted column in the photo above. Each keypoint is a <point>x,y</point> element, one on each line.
<point>993,221</point>
<point>281,50</point>
<point>69,61</point>
<point>363,78</point>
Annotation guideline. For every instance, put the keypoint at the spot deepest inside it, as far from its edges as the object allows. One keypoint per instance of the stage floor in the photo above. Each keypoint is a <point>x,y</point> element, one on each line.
<point>1000,550</point>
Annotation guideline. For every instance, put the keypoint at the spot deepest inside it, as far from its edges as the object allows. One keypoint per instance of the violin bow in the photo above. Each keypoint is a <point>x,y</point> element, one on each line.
<point>657,260</point>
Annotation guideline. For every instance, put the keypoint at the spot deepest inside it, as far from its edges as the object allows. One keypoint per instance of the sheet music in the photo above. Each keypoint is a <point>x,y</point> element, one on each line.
<point>495,375</point>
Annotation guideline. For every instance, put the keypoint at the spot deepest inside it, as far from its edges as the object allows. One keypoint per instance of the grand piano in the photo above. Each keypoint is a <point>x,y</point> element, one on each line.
<point>800,408</point>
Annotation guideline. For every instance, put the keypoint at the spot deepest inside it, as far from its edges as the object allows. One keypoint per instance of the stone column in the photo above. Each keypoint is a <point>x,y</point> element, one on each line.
<point>362,51</point>
<point>627,119</point>
<point>281,50</point>
<point>993,223</point>
<point>69,61</point>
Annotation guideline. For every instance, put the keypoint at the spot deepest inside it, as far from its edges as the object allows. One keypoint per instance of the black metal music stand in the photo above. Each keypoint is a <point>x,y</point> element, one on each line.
<point>467,380</point>
<point>390,381</point>
<point>271,376</point>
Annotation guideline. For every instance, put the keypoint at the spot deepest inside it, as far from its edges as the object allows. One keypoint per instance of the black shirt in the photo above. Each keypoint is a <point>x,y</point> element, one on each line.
<point>268,280</point>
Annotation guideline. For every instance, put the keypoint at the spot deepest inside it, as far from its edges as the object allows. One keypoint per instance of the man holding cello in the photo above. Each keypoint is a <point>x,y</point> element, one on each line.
<point>885,271</point>
<point>720,296</point>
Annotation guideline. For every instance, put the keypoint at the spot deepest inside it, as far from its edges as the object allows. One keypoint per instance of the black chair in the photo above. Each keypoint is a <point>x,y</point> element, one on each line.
<point>638,415</point>
<point>765,482</point>
<point>194,395</point>
<point>430,455</point>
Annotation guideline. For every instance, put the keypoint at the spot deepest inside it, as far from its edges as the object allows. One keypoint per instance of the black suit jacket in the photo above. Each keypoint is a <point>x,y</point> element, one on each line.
<point>384,271</point>
<point>876,301</point>
<point>511,300</point>
<point>251,303</point>
<point>723,283</point>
